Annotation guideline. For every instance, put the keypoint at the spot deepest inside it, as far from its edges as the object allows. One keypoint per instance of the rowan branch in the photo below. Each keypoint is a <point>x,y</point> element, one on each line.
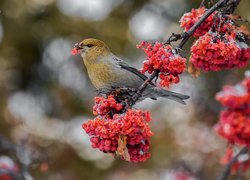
<point>185,37</point>
<point>226,171</point>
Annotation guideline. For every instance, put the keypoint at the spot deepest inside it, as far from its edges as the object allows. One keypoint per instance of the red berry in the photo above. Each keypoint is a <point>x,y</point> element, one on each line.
<point>74,51</point>
<point>94,140</point>
<point>213,52</point>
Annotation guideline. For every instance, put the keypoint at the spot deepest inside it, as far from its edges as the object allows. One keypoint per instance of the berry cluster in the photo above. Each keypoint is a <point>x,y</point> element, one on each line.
<point>215,20</point>
<point>217,48</point>
<point>125,134</point>
<point>162,58</point>
<point>106,106</point>
<point>214,52</point>
<point>190,18</point>
<point>234,124</point>
<point>242,163</point>
<point>237,97</point>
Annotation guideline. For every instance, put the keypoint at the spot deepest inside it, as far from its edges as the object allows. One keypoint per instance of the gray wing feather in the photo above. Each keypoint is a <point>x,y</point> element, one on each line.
<point>129,68</point>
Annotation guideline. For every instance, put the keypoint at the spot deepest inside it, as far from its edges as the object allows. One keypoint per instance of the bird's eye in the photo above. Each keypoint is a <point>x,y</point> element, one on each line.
<point>89,45</point>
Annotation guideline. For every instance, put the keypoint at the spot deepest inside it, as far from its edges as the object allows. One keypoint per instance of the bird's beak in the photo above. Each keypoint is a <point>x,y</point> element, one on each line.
<point>78,47</point>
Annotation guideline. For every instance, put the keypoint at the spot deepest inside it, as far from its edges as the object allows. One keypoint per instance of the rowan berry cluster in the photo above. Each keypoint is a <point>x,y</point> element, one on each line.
<point>215,20</point>
<point>218,46</point>
<point>190,18</point>
<point>125,134</point>
<point>165,60</point>
<point>213,52</point>
<point>234,123</point>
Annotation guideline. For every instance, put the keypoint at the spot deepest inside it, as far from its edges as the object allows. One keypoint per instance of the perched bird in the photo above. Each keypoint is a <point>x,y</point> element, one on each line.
<point>106,71</point>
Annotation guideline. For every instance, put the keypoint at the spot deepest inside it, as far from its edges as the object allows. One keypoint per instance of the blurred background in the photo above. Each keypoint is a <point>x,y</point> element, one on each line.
<point>46,95</point>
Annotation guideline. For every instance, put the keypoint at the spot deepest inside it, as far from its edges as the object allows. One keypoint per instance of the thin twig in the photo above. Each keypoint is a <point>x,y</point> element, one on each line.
<point>203,3</point>
<point>226,171</point>
<point>239,173</point>
<point>174,37</point>
<point>150,78</point>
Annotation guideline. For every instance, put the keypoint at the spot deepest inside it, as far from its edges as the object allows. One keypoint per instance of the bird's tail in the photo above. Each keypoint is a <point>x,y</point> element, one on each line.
<point>158,92</point>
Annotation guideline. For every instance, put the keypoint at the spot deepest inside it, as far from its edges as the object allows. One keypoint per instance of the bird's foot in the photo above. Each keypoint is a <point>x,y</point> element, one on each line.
<point>103,92</point>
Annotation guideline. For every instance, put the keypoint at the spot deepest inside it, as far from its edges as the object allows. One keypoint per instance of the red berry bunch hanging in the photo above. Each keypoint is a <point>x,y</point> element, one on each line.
<point>214,52</point>
<point>216,20</point>
<point>164,59</point>
<point>125,134</point>
<point>190,18</point>
<point>234,124</point>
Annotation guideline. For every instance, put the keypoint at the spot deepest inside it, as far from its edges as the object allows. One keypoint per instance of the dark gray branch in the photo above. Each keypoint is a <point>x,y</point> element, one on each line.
<point>226,171</point>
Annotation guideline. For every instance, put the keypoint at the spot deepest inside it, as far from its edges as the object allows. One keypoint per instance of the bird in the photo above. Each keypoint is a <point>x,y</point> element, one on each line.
<point>107,71</point>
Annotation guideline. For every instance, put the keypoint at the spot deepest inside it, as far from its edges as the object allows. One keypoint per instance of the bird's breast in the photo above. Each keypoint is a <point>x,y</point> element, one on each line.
<point>101,75</point>
<point>105,74</point>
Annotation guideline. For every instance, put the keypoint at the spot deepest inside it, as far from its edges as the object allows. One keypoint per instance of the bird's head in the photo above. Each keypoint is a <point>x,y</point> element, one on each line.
<point>90,48</point>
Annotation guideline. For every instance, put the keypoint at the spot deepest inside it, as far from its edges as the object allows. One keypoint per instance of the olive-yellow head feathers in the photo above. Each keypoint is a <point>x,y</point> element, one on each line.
<point>90,49</point>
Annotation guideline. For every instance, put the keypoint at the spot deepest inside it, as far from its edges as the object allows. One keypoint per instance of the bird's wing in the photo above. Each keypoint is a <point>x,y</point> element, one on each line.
<point>120,63</point>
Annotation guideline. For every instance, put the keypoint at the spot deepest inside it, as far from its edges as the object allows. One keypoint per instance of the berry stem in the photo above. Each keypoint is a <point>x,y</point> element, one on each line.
<point>143,87</point>
<point>145,84</point>
<point>226,171</point>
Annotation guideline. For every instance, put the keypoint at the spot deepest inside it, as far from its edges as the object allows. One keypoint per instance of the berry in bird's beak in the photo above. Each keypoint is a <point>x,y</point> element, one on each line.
<point>77,49</point>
